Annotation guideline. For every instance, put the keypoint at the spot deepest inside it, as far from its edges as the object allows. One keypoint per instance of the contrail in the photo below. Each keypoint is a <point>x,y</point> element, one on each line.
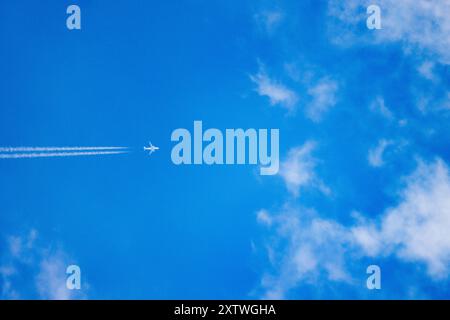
<point>57,154</point>
<point>47,149</point>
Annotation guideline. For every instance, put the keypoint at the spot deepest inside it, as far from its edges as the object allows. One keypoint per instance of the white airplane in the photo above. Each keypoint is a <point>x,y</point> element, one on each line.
<point>151,148</point>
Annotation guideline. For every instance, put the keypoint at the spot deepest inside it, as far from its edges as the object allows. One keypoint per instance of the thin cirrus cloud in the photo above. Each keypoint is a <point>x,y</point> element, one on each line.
<point>298,169</point>
<point>426,69</point>
<point>418,25</point>
<point>51,278</point>
<point>41,266</point>
<point>269,20</point>
<point>416,229</point>
<point>375,155</point>
<point>278,94</point>
<point>303,248</point>
<point>378,106</point>
<point>323,96</point>
<point>319,95</point>
<point>419,28</point>
<point>308,246</point>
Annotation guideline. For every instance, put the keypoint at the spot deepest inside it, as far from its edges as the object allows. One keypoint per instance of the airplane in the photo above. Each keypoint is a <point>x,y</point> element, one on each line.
<point>151,148</point>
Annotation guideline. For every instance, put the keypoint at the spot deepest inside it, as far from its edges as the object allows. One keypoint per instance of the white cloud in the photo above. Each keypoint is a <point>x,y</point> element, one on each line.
<point>297,170</point>
<point>420,28</point>
<point>20,246</point>
<point>318,92</point>
<point>375,155</point>
<point>8,292</point>
<point>323,97</point>
<point>277,93</point>
<point>51,279</point>
<point>417,228</point>
<point>419,25</point>
<point>269,19</point>
<point>304,246</point>
<point>379,106</point>
<point>43,267</point>
<point>367,237</point>
<point>426,69</point>
<point>263,217</point>
<point>15,246</point>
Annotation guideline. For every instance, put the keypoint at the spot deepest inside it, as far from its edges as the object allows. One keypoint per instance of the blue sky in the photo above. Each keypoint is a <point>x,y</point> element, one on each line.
<point>363,118</point>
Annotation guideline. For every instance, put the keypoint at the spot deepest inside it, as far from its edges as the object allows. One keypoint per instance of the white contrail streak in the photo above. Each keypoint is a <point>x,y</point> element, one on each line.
<point>47,149</point>
<point>57,154</point>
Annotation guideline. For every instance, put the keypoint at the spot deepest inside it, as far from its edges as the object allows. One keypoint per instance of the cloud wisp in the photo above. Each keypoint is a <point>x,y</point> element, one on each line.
<point>40,266</point>
<point>277,92</point>
<point>375,156</point>
<point>298,170</point>
<point>305,246</point>
<point>418,25</point>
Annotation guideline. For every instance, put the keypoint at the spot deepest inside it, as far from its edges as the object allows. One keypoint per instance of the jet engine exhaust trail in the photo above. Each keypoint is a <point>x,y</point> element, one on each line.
<point>57,154</point>
<point>46,149</point>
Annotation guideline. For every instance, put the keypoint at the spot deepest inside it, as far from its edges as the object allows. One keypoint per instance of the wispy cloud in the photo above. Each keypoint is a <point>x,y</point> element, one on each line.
<point>269,19</point>
<point>323,97</point>
<point>316,91</point>
<point>419,25</point>
<point>42,268</point>
<point>263,217</point>
<point>7,290</point>
<point>417,228</point>
<point>51,279</point>
<point>277,93</point>
<point>426,69</point>
<point>378,105</point>
<point>375,156</point>
<point>304,246</point>
<point>298,169</point>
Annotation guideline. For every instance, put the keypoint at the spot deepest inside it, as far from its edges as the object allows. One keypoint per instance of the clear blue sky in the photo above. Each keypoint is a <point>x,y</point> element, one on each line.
<point>364,136</point>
